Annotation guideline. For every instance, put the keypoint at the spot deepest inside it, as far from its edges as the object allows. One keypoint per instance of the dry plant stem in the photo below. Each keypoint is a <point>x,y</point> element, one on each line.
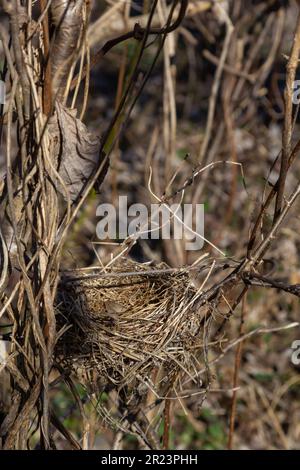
<point>62,429</point>
<point>264,70</point>
<point>266,204</point>
<point>137,33</point>
<point>246,69</point>
<point>5,40</point>
<point>121,84</point>
<point>247,264</point>
<point>238,357</point>
<point>4,259</point>
<point>261,281</point>
<point>45,232</point>
<point>228,68</point>
<point>17,17</point>
<point>229,84</point>
<point>259,330</point>
<point>117,444</point>
<point>166,435</point>
<point>111,23</point>
<point>261,249</point>
<point>214,92</point>
<point>33,311</point>
<point>22,417</point>
<point>252,55</point>
<point>167,418</point>
<point>288,117</point>
<point>87,81</point>
<point>259,252</point>
<point>273,417</point>
<point>169,101</point>
<point>47,86</point>
<point>14,76</point>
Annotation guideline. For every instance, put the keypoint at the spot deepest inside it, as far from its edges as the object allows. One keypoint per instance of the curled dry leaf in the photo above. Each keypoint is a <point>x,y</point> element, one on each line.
<point>77,151</point>
<point>66,16</point>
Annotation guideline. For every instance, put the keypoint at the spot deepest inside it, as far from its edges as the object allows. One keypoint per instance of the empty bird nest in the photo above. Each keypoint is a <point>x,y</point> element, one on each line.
<point>126,321</point>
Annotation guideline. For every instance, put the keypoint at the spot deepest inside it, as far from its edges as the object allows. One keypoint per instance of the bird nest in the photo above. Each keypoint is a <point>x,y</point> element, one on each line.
<point>126,321</point>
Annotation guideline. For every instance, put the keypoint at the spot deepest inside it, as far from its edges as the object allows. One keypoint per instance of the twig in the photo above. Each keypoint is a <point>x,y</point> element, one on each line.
<point>237,365</point>
<point>288,116</point>
<point>137,33</point>
<point>215,88</point>
<point>47,85</point>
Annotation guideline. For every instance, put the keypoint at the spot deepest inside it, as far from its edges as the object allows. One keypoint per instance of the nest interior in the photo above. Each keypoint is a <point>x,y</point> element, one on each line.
<point>128,320</point>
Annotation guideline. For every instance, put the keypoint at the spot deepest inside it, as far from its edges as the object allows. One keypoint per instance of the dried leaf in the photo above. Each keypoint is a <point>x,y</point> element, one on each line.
<point>78,154</point>
<point>66,16</point>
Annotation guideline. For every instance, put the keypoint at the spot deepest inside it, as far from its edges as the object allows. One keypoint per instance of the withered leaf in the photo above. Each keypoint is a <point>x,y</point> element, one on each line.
<point>78,151</point>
